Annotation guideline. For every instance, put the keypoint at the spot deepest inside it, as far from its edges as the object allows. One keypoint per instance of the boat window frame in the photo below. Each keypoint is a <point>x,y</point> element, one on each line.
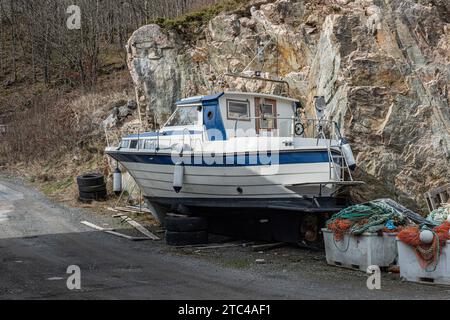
<point>149,143</point>
<point>265,101</point>
<point>247,102</point>
<point>132,141</point>
<point>199,119</point>
<point>125,144</point>
<point>272,114</point>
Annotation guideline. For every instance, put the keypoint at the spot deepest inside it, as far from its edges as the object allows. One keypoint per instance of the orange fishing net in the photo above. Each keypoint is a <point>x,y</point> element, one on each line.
<point>410,236</point>
<point>442,232</point>
<point>339,227</point>
<point>427,254</point>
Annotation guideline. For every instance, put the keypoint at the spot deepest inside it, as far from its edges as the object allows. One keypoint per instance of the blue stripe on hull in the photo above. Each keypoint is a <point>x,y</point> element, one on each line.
<point>161,134</point>
<point>228,161</point>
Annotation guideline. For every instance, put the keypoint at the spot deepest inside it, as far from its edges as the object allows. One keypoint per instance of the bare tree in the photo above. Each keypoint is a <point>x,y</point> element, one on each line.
<point>34,36</point>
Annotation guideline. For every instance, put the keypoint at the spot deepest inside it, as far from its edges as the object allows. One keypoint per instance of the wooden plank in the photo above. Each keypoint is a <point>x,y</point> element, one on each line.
<point>215,246</point>
<point>434,192</point>
<point>268,246</point>
<point>128,237</point>
<point>123,209</point>
<point>93,226</point>
<point>113,232</point>
<point>140,209</point>
<point>141,228</point>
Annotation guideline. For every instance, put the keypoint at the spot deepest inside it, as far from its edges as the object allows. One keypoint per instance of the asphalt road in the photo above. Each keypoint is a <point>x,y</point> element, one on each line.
<point>39,240</point>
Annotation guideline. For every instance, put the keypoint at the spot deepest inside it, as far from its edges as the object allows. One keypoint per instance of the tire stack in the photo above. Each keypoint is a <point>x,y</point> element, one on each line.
<point>91,187</point>
<point>184,230</point>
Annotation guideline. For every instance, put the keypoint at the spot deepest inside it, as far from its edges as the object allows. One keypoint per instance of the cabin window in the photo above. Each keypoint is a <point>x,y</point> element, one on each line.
<point>268,112</point>
<point>184,116</point>
<point>238,110</point>
<point>133,144</point>
<point>125,144</point>
<point>149,144</point>
<point>141,144</point>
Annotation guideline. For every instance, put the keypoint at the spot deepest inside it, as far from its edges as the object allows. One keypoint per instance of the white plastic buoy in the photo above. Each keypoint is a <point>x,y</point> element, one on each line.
<point>178,177</point>
<point>117,181</point>
<point>448,218</point>
<point>426,236</point>
<point>348,154</point>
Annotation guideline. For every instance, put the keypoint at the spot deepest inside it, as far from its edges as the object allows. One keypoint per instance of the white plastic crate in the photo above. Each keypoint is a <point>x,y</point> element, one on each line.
<point>362,251</point>
<point>410,269</point>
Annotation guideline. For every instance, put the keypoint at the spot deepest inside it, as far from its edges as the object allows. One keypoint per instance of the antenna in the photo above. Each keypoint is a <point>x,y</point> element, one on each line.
<point>260,57</point>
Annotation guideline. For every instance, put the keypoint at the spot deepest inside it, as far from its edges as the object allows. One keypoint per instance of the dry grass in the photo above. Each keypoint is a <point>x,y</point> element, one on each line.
<point>55,136</point>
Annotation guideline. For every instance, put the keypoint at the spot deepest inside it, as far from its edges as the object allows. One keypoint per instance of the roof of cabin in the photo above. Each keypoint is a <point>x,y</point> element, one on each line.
<point>262,95</point>
<point>201,99</point>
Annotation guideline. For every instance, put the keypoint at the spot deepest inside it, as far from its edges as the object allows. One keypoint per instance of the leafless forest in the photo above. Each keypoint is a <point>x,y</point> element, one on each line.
<point>34,34</point>
<point>45,67</point>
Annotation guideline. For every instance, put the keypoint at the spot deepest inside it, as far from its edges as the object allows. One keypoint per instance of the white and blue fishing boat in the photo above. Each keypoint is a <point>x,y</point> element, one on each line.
<point>243,151</point>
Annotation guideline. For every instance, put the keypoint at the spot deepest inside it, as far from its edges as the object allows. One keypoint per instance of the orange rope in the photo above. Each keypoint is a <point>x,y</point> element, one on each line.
<point>427,254</point>
<point>442,232</point>
<point>410,236</point>
<point>339,227</point>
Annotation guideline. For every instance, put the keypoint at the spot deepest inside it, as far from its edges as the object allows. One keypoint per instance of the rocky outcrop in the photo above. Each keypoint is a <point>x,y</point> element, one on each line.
<point>382,65</point>
<point>120,111</point>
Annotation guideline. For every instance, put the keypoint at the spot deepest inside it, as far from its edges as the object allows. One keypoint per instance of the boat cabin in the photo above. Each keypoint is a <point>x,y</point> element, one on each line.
<point>232,114</point>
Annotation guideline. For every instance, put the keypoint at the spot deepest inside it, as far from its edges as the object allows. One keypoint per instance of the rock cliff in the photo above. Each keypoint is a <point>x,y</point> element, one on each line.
<point>382,65</point>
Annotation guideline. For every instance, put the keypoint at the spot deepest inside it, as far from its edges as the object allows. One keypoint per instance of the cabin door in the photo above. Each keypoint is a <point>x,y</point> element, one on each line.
<point>266,113</point>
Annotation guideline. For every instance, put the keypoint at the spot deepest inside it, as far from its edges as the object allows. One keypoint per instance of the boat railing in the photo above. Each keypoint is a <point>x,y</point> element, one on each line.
<point>319,129</point>
<point>327,131</point>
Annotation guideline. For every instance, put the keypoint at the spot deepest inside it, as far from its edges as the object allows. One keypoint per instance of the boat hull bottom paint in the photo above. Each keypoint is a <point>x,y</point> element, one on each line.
<point>225,206</point>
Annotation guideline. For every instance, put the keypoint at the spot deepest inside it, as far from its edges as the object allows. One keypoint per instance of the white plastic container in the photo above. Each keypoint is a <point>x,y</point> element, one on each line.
<point>410,269</point>
<point>362,251</point>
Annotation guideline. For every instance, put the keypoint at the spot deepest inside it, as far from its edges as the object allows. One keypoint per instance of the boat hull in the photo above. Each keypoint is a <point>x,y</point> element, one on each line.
<point>291,182</point>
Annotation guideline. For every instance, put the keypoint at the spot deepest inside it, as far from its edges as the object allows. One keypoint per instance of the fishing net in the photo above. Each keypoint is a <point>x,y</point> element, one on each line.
<point>339,227</point>
<point>410,236</point>
<point>427,254</point>
<point>441,214</point>
<point>442,233</point>
<point>372,217</point>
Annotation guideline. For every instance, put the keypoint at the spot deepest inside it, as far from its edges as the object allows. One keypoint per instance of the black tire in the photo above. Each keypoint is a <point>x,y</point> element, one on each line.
<point>186,238</point>
<point>90,189</point>
<point>100,195</point>
<point>90,179</point>
<point>185,224</point>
